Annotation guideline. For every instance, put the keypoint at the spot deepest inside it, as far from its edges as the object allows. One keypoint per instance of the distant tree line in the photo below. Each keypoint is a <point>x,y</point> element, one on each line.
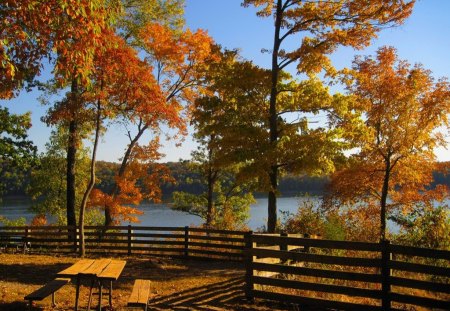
<point>186,180</point>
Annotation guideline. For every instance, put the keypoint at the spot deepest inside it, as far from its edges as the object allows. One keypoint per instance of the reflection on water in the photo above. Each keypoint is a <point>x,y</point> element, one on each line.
<point>161,215</point>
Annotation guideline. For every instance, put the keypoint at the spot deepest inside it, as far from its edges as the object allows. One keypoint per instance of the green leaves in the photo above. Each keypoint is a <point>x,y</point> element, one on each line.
<point>17,153</point>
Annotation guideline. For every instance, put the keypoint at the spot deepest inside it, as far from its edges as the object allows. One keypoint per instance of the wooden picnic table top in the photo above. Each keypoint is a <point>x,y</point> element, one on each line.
<point>109,269</point>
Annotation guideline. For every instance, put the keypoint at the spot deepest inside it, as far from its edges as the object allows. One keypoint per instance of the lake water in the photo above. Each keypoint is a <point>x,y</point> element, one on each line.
<point>162,215</point>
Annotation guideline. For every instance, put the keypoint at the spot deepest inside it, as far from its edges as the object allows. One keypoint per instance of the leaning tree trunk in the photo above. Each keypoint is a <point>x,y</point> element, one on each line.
<point>91,180</point>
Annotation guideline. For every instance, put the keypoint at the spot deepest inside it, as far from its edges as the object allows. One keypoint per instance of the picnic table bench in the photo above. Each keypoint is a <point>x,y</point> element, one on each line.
<point>139,294</point>
<point>48,289</point>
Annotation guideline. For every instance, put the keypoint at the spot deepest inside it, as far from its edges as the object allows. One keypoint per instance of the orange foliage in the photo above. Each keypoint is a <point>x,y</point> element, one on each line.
<point>404,110</point>
<point>141,180</point>
<point>180,59</point>
<point>39,220</point>
<point>32,30</point>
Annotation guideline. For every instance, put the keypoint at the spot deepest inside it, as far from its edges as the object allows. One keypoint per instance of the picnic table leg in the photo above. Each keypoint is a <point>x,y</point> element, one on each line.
<point>90,294</point>
<point>110,295</point>
<point>77,294</point>
<point>100,296</point>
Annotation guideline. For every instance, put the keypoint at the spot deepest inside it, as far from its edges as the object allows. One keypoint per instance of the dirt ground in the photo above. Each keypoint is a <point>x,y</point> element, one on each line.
<point>175,284</point>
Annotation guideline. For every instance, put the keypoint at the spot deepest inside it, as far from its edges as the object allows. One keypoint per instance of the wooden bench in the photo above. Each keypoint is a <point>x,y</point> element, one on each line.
<point>140,293</point>
<point>49,288</point>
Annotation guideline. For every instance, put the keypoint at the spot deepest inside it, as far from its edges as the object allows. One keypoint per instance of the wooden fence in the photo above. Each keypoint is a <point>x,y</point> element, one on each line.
<point>346,275</point>
<point>322,273</point>
<point>155,241</point>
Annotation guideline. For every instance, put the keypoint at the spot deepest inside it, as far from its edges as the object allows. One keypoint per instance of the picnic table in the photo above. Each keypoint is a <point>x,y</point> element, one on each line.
<point>98,272</point>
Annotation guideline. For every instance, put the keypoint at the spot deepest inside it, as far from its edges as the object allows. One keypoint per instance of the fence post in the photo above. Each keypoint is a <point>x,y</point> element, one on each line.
<point>385,275</point>
<point>283,246</point>
<point>77,238</point>
<point>248,261</point>
<point>186,241</point>
<point>129,239</point>
<point>25,240</point>
<point>306,248</point>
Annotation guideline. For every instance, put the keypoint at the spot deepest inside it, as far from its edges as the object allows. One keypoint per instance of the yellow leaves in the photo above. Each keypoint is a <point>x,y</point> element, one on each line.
<point>267,6</point>
<point>326,25</point>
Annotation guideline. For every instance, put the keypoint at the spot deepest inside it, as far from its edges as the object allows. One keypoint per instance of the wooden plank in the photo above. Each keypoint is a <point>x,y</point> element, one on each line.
<point>331,274</point>
<point>217,231</point>
<point>96,268</point>
<point>140,293</point>
<point>74,269</point>
<point>125,242</point>
<point>102,228</point>
<point>113,270</point>
<point>425,285</point>
<point>216,238</point>
<point>217,253</point>
<point>421,252</point>
<point>421,301</point>
<point>37,227</point>
<point>49,240</point>
<point>325,259</point>
<point>106,242</point>
<point>419,268</point>
<point>148,248</point>
<point>314,302</point>
<point>317,287</point>
<point>47,289</point>
<point>215,245</point>
<point>144,235</point>
<point>348,245</point>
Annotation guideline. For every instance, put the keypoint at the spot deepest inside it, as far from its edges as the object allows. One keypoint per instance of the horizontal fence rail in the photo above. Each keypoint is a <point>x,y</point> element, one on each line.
<point>155,241</point>
<point>346,275</point>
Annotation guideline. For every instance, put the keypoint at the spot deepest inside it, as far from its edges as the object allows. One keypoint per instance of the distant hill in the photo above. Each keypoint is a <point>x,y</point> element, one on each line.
<point>188,181</point>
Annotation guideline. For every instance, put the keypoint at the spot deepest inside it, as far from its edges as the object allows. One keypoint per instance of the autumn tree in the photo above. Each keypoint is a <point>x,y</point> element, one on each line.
<point>321,27</point>
<point>17,152</point>
<point>65,32</point>
<point>404,111</point>
<point>178,57</point>
<point>230,83</point>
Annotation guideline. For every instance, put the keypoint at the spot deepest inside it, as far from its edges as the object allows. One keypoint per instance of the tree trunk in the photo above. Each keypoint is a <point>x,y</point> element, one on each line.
<point>91,181</point>
<point>273,124</point>
<point>210,198</point>
<point>384,195</point>
<point>72,146</point>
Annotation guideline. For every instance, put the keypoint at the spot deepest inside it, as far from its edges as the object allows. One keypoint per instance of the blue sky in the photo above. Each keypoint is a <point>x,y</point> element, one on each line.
<point>424,38</point>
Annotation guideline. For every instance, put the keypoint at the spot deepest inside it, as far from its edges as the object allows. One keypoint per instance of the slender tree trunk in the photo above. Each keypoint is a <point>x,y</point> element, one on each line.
<point>91,180</point>
<point>384,195</point>
<point>273,124</point>
<point>210,198</point>
<point>72,146</point>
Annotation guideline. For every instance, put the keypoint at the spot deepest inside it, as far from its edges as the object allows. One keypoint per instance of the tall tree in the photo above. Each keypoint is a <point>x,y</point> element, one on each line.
<point>323,26</point>
<point>404,112</point>
<point>178,58</point>
<point>67,32</point>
